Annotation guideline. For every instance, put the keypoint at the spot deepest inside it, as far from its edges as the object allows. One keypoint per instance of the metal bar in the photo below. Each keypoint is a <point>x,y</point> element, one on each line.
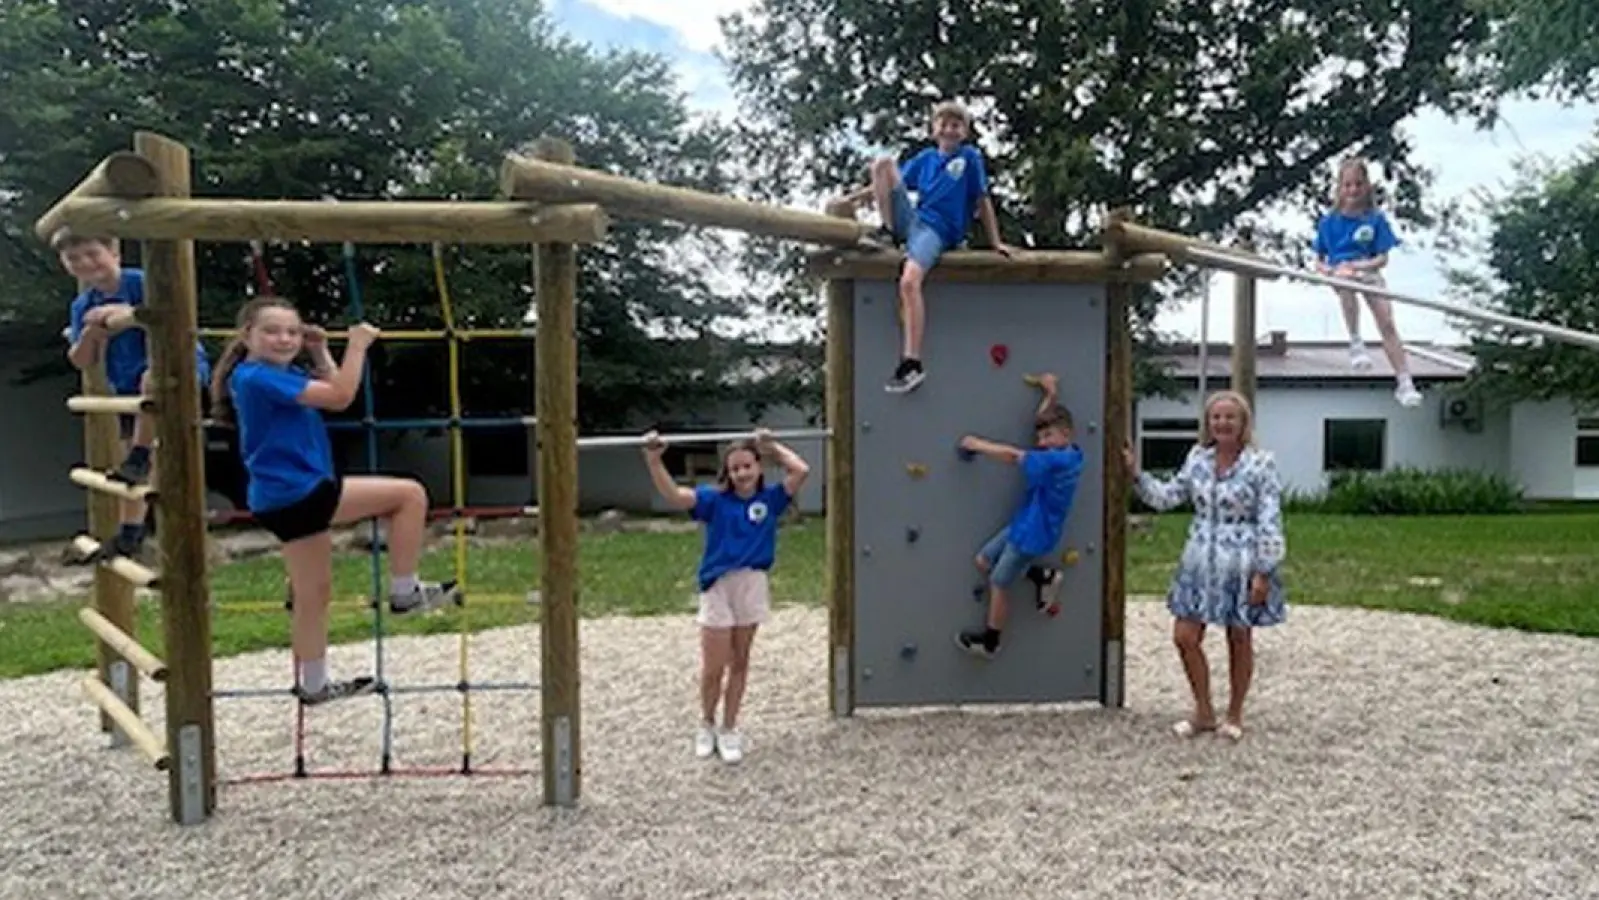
<point>403,424</point>
<point>1273,271</point>
<point>288,692</point>
<point>634,440</point>
<point>408,334</point>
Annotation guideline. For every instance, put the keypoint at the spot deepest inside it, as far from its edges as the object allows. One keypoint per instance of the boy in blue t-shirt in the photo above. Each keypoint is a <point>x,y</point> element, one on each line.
<point>109,292</point>
<point>951,183</point>
<point>1353,241</point>
<point>1051,469</point>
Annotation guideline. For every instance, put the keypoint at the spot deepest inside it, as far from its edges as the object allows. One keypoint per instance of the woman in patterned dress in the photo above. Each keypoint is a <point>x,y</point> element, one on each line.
<point>1228,574</point>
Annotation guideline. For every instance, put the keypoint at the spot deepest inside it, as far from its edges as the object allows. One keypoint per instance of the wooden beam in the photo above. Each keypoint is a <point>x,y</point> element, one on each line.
<point>1026,267</point>
<point>119,405</point>
<point>139,734</point>
<point>1243,355</point>
<point>122,174</point>
<point>124,568</point>
<point>1117,433</point>
<point>1135,238</point>
<point>555,400</point>
<point>100,483</point>
<point>173,306</point>
<point>113,596</point>
<point>522,178</point>
<point>840,490</point>
<point>130,649</point>
<point>362,221</point>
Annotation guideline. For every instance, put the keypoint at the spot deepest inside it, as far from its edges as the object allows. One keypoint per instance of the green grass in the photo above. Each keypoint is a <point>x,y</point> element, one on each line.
<point>1536,572</point>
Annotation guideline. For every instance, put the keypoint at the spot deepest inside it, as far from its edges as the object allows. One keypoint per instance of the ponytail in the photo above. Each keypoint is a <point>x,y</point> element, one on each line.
<point>222,411</point>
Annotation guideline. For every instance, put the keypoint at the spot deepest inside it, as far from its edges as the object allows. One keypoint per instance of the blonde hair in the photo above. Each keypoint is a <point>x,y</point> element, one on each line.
<point>724,475</point>
<point>234,353</point>
<point>1246,429</point>
<point>952,109</point>
<point>1359,164</point>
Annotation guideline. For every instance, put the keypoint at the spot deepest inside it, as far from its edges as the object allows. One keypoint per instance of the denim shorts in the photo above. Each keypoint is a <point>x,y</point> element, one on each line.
<point>1005,561</point>
<point>923,246</point>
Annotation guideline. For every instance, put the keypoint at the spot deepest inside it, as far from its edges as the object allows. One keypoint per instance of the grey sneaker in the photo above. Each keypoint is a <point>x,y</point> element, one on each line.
<point>906,378</point>
<point>428,596</point>
<point>336,690</point>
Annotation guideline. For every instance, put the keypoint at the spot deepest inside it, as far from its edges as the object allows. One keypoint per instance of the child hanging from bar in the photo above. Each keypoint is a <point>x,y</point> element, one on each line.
<point>111,290</point>
<point>1353,241</point>
<point>1050,470</point>
<point>740,512</point>
<point>294,491</point>
<point>951,182</point>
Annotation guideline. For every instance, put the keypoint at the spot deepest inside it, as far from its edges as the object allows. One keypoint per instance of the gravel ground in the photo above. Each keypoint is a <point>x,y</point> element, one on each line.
<point>1388,756</point>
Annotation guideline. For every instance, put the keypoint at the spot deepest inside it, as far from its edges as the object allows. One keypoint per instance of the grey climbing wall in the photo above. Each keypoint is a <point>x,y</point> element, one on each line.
<point>913,597</point>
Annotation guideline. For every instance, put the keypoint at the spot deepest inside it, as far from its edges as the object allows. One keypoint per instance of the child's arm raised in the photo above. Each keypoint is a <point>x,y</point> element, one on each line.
<point>336,393</point>
<point>316,344</point>
<point>795,469</point>
<point>1050,385</point>
<point>1004,453</point>
<point>678,496</point>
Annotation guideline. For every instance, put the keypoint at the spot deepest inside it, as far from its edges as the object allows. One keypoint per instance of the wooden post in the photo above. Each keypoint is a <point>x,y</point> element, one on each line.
<point>171,314</point>
<point>840,498</point>
<point>1118,374</point>
<point>113,596</point>
<point>555,399</point>
<point>1243,377</point>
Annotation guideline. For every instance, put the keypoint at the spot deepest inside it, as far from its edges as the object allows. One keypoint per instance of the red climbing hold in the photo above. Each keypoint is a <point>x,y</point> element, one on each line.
<point>999,353</point>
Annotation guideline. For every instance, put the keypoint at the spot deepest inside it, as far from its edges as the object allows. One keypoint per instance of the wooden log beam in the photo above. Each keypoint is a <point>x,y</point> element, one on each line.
<point>363,221</point>
<point>100,483</point>
<point>113,596</point>
<point>122,174</point>
<point>119,640</point>
<point>1134,238</point>
<point>522,178</point>
<point>555,402</point>
<point>1026,266</point>
<point>840,499</point>
<point>119,405</point>
<point>173,304</point>
<point>1243,377</point>
<point>1117,433</point>
<point>129,571</point>
<point>139,734</point>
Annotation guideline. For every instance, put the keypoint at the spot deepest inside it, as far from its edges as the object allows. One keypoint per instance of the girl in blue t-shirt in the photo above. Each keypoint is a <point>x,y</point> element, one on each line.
<point>1353,241</point>
<point>296,493</point>
<point>740,514</point>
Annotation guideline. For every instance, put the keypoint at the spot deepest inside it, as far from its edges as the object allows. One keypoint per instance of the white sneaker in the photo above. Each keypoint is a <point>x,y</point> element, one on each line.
<point>704,742</point>
<point>1408,396</point>
<point>730,746</point>
<point>1358,359</point>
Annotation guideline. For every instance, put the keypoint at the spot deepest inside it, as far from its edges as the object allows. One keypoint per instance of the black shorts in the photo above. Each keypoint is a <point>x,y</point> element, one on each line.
<point>311,515</point>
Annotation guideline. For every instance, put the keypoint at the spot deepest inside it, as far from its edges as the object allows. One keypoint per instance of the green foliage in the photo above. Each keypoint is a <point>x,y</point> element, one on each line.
<point>1543,264</point>
<point>1408,491</point>
<point>360,99</point>
<point>1550,44</point>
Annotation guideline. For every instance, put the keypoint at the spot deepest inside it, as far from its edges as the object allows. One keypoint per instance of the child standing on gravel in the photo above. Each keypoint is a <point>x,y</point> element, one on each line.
<point>740,512</point>
<point>294,490</point>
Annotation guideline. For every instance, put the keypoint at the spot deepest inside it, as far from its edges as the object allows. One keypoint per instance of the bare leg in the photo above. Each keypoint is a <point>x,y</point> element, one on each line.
<point>402,501</point>
<point>144,423</point>
<point>1189,637</point>
<point>1383,312</point>
<point>1351,308</point>
<point>913,312</point>
<point>1240,671</point>
<point>998,606</point>
<point>310,565</point>
<point>738,673</point>
<point>716,651</point>
<point>885,176</point>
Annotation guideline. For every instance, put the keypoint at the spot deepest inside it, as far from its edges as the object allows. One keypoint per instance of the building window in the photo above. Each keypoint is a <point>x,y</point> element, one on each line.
<point>1163,444</point>
<point>692,463</point>
<point>1588,443</point>
<point>498,452</point>
<point>1353,444</point>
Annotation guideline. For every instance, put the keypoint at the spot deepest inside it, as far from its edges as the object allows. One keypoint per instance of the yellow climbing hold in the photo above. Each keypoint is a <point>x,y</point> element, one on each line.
<point>1069,557</point>
<point>1031,380</point>
<point>916,470</point>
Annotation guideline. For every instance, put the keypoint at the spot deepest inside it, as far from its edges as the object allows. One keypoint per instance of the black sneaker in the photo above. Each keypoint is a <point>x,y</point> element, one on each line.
<point>123,545</point>
<point>336,690</point>
<point>906,377</point>
<point>1048,582</point>
<point>882,238</point>
<point>135,469</point>
<point>972,642</point>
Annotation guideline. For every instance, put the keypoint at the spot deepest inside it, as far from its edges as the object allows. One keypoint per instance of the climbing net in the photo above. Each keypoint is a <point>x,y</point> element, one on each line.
<point>453,336</point>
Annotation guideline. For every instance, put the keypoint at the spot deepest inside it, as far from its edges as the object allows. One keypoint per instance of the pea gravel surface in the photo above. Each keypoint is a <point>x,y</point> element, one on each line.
<point>1387,756</point>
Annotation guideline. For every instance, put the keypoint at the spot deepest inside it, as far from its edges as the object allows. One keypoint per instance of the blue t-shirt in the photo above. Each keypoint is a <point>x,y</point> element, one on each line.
<point>284,443</point>
<point>126,356</point>
<point>739,533</point>
<point>1052,475</point>
<point>1341,237</point>
<point>948,188</point>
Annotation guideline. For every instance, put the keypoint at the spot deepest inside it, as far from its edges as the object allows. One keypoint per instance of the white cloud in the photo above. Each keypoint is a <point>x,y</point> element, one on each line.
<point>695,21</point>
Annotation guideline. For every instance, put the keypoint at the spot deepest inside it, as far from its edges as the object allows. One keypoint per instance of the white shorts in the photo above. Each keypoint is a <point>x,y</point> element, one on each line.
<point>741,597</point>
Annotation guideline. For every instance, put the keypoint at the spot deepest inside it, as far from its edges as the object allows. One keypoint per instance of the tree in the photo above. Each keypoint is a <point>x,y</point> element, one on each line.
<point>1550,44</point>
<point>1196,114</point>
<point>364,99</point>
<point>1543,264</point>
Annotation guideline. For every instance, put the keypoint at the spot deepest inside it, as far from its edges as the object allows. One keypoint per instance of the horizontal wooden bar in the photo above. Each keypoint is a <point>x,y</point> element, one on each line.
<point>524,178</point>
<point>98,481</point>
<point>1022,267</point>
<point>128,648</point>
<point>139,734</point>
<point>317,221</point>
<point>120,405</point>
<point>127,569</point>
<point>1135,238</point>
<point>123,174</point>
<point>1274,271</point>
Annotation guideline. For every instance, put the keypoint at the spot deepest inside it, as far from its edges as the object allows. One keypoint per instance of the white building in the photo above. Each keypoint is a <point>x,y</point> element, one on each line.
<point>1316,415</point>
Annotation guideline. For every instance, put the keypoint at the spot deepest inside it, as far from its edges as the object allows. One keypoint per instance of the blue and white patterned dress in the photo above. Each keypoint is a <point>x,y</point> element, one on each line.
<point>1236,532</point>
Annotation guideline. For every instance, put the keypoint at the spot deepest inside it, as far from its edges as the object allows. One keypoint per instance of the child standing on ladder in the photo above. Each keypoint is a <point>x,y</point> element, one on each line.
<point>740,512</point>
<point>951,181</point>
<point>111,291</point>
<point>294,490</point>
<point>1353,241</point>
<point>1051,470</point>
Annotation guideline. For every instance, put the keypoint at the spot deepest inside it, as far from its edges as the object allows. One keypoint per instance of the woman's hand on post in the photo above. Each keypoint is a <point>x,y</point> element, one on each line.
<point>1130,459</point>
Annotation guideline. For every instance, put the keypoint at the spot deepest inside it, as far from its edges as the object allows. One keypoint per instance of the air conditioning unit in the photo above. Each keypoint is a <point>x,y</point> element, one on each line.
<point>1461,410</point>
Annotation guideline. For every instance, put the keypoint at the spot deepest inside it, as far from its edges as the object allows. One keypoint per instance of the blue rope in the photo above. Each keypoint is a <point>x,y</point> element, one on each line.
<point>356,314</point>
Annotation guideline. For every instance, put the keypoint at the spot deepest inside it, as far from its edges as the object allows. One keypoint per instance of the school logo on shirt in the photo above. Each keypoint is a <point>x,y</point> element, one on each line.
<point>757,512</point>
<point>956,167</point>
<point>1365,234</point>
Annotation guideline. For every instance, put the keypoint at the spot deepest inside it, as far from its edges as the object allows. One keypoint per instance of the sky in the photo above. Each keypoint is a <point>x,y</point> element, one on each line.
<point>1465,162</point>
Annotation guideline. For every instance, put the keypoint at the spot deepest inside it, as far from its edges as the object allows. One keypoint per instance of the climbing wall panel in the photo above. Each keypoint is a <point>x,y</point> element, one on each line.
<point>921,513</point>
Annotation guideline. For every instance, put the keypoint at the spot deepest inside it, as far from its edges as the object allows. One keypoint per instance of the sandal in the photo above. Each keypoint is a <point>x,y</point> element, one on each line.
<point>1232,731</point>
<point>1188,729</point>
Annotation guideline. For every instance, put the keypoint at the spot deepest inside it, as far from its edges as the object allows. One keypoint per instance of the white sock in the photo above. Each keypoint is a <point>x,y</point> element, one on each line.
<point>1404,380</point>
<point>314,674</point>
<point>1356,344</point>
<point>400,585</point>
